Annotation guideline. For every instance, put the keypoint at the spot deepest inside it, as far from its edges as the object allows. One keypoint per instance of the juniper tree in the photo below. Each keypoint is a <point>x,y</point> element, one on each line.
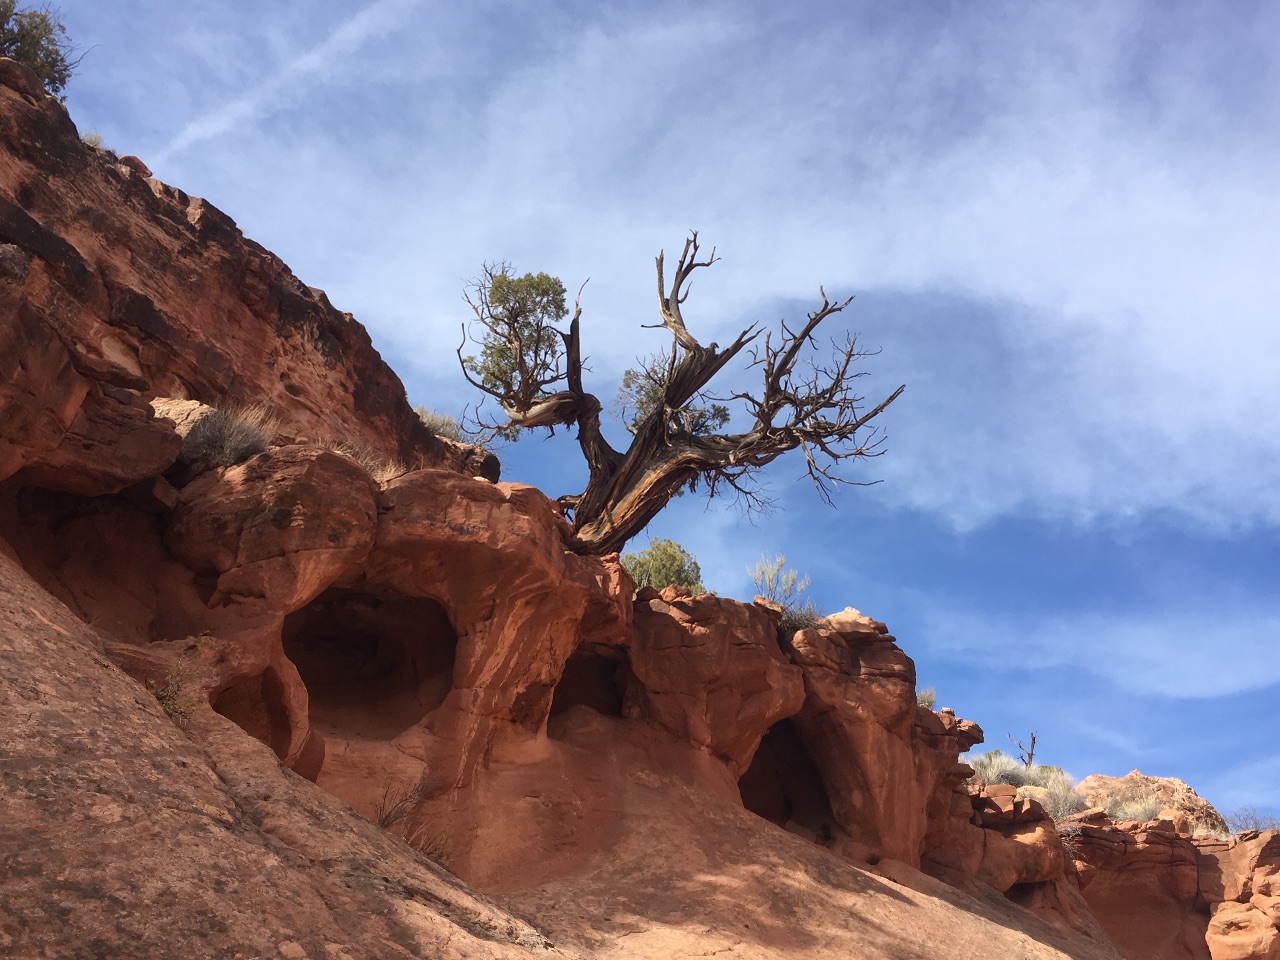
<point>530,361</point>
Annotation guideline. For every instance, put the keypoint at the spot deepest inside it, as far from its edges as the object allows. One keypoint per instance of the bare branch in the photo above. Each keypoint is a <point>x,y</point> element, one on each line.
<point>669,303</point>
<point>805,402</point>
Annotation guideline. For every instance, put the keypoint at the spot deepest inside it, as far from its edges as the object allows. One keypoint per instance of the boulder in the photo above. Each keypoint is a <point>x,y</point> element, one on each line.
<point>710,670</point>
<point>1166,796</point>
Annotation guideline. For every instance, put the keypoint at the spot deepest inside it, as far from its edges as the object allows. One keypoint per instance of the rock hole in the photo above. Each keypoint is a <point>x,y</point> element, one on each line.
<point>595,676</point>
<point>374,665</point>
<point>783,785</point>
<point>1022,894</point>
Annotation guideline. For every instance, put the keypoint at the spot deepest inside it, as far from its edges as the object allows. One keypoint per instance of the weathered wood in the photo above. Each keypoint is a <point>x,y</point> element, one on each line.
<point>816,411</point>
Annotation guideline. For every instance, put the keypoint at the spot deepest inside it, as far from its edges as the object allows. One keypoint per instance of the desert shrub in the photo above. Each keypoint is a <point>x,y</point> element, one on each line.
<point>91,139</point>
<point>1052,787</point>
<point>1143,805</point>
<point>223,438</point>
<point>171,693</point>
<point>927,697</point>
<point>775,582</point>
<point>1057,793</point>
<point>1251,818</point>
<point>664,563</point>
<point>1203,831</point>
<point>433,846</point>
<point>994,766</point>
<point>442,425</point>
<point>396,803</point>
<point>37,39</point>
<point>377,466</point>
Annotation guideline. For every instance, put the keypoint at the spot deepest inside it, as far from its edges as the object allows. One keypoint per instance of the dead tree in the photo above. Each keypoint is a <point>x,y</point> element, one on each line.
<point>1026,754</point>
<point>532,366</point>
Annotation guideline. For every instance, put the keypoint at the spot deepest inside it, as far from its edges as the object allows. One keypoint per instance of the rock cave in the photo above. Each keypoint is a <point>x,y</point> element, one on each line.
<point>374,664</point>
<point>595,676</point>
<point>783,785</point>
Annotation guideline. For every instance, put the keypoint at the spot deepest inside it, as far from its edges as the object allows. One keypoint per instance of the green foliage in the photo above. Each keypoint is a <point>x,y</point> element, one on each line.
<point>785,588</point>
<point>641,393</point>
<point>528,351</point>
<point>927,698</point>
<point>664,563</point>
<point>91,139</point>
<point>171,694</point>
<point>38,40</point>
<point>223,438</point>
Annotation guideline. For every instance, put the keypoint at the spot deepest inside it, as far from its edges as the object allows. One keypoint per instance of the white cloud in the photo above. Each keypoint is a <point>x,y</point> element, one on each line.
<point>1095,178</point>
<point>317,64</point>
<point>1186,653</point>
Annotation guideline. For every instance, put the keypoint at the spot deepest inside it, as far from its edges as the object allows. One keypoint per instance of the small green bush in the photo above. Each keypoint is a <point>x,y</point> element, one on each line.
<point>664,563</point>
<point>37,39</point>
<point>91,139</point>
<point>224,438</point>
<point>927,698</point>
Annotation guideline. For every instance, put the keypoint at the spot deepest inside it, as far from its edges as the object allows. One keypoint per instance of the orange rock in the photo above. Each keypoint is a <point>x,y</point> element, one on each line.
<point>710,671</point>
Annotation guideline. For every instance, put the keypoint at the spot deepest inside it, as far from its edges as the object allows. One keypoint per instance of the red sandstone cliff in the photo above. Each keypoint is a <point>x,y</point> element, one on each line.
<point>661,775</point>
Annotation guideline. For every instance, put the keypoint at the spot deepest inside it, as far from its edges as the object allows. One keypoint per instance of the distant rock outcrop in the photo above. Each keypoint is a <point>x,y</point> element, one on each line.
<point>1168,798</point>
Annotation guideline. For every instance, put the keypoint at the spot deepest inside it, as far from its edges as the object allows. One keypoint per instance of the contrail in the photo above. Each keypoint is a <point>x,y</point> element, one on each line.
<point>380,17</point>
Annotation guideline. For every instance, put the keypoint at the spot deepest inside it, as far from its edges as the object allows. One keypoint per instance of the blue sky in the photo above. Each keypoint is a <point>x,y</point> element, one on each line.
<point>1061,222</point>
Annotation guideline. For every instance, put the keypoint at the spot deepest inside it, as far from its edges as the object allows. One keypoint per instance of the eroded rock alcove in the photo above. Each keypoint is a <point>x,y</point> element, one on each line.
<point>587,752</point>
<point>784,786</point>
<point>595,676</point>
<point>374,664</point>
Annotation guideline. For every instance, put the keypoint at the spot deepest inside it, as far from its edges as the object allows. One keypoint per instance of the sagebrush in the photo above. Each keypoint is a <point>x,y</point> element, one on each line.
<point>785,587</point>
<point>224,438</point>
<point>1052,787</point>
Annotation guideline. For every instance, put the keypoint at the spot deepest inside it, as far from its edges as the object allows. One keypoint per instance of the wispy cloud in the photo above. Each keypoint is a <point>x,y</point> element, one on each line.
<point>292,79</point>
<point>1181,653</point>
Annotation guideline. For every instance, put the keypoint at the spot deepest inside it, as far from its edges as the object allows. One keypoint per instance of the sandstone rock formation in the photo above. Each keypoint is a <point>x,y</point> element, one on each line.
<point>251,708</point>
<point>116,289</point>
<point>1240,882</point>
<point>1170,798</point>
<point>1161,893</point>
